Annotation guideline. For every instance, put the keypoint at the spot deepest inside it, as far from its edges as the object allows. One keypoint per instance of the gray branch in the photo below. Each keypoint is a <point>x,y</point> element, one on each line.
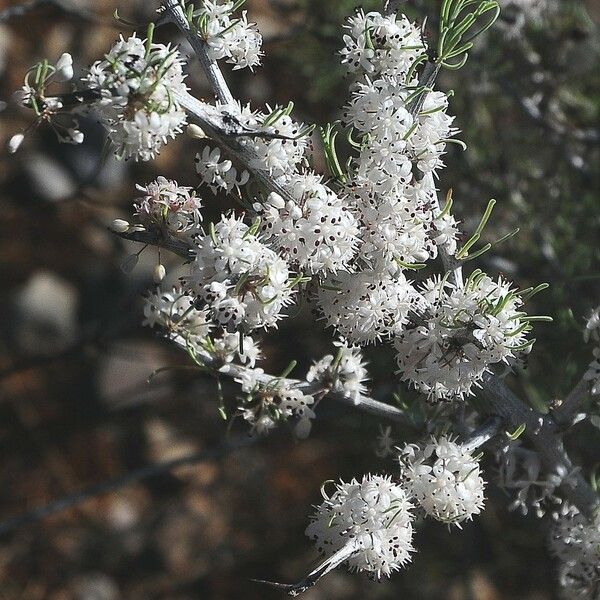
<point>174,13</point>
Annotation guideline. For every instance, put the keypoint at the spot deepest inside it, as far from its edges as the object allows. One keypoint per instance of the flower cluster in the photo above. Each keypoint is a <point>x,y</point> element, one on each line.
<point>177,314</point>
<point>366,307</point>
<point>266,404</point>
<point>167,205</point>
<point>217,172</point>
<point>381,44</point>
<point>374,515</point>
<point>576,542</point>
<point>226,36</point>
<point>343,373</point>
<point>521,474</point>
<point>244,283</point>
<point>314,229</point>
<point>461,333</point>
<point>445,480</point>
<point>138,83</point>
<point>275,142</point>
<point>398,233</point>
<point>227,347</point>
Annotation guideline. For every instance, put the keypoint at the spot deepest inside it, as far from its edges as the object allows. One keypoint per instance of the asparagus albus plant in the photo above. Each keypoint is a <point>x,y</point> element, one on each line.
<point>369,244</point>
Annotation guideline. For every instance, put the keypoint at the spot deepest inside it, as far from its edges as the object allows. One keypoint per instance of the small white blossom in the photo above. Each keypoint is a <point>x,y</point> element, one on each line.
<point>316,230</point>
<point>219,174</point>
<point>379,43</point>
<point>463,331</point>
<point>228,348</point>
<point>576,542</point>
<point>265,405</point>
<point>166,204</point>
<point>374,515</point>
<point>176,313</point>
<point>245,284</point>
<point>229,37</point>
<point>592,327</point>
<point>139,83</point>
<point>444,479</point>
<point>344,372</point>
<point>366,307</point>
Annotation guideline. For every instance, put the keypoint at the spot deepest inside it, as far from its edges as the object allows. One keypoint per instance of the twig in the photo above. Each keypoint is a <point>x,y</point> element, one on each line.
<point>541,431</point>
<point>174,13</point>
<point>117,483</point>
<point>482,435</point>
<point>335,560</point>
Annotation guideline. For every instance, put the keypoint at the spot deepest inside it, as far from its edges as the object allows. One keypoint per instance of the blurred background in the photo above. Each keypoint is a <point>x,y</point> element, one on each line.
<point>76,407</point>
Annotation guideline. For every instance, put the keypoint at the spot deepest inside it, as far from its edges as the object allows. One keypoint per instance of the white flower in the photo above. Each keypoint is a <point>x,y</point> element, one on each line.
<point>228,347</point>
<point>265,405</point>
<point>165,203</point>
<point>397,230</point>
<point>175,311</point>
<point>217,173</point>
<point>315,230</point>
<point>245,284</point>
<point>444,479</point>
<point>277,150</point>
<point>367,306</point>
<point>344,373</point>
<point>592,327</point>
<point>232,38</point>
<point>376,43</point>
<point>375,516</point>
<point>461,333</point>
<point>139,83</point>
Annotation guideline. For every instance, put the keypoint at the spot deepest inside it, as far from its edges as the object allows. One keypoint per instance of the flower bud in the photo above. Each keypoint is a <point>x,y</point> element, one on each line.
<point>15,142</point>
<point>119,226</point>
<point>159,273</point>
<point>76,136</point>
<point>195,131</point>
<point>64,68</point>
<point>275,200</point>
